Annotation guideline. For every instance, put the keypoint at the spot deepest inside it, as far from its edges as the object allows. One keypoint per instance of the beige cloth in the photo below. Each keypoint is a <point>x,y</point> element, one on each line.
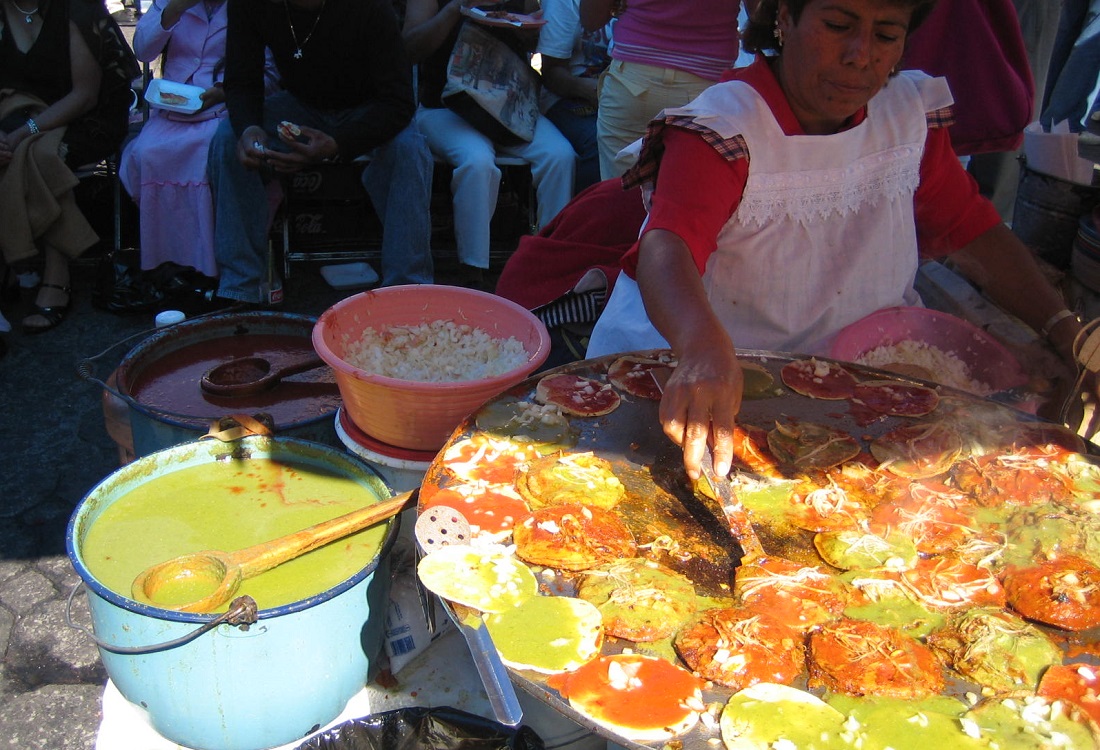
<point>36,194</point>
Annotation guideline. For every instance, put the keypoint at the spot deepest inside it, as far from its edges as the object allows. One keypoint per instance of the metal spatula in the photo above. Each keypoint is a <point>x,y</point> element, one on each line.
<point>441,526</point>
<point>736,516</point>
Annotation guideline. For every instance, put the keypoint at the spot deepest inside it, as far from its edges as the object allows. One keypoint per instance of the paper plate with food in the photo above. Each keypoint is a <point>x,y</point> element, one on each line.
<point>174,97</point>
<point>496,17</point>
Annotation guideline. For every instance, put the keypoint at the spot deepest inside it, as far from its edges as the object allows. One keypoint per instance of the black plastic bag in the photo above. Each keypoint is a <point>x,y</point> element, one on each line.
<point>116,270</point>
<point>421,728</point>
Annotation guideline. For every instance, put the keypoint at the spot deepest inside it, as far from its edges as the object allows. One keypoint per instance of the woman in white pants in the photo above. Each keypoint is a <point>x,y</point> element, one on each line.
<point>430,30</point>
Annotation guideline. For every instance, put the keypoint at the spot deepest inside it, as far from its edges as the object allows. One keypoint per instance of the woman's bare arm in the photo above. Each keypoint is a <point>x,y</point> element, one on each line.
<point>427,25</point>
<point>1006,271</point>
<point>82,97</point>
<point>596,13</point>
<point>702,398</point>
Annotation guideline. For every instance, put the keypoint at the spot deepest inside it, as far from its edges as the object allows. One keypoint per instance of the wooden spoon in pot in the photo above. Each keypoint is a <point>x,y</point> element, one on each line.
<point>203,581</point>
<point>247,376</point>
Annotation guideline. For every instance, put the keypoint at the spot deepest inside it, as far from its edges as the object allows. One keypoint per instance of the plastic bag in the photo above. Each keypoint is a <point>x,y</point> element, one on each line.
<point>492,86</point>
<point>420,728</point>
<point>407,632</point>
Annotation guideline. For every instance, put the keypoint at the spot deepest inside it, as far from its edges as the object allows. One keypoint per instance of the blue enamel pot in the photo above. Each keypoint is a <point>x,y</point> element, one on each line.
<point>217,686</point>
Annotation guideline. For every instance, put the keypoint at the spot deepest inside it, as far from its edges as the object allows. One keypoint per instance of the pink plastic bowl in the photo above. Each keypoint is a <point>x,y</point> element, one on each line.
<point>988,360</point>
<point>411,414</point>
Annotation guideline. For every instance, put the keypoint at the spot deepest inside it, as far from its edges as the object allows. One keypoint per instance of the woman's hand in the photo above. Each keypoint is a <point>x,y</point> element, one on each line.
<point>312,147</point>
<point>173,11</point>
<point>700,403</point>
<point>1079,348</point>
<point>558,77</point>
<point>212,97</point>
<point>14,138</point>
<point>252,147</point>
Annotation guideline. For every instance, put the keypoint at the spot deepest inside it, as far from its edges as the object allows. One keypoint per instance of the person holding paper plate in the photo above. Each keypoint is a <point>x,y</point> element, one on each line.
<point>164,168</point>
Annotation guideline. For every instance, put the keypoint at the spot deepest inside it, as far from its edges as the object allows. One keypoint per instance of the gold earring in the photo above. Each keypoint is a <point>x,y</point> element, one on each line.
<point>778,34</point>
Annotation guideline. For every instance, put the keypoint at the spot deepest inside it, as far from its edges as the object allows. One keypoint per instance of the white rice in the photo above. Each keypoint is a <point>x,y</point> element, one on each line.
<point>437,352</point>
<point>944,367</point>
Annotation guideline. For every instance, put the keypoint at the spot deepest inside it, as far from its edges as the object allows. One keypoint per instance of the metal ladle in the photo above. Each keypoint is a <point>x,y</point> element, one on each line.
<point>247,376</point>
<point>221,573</point>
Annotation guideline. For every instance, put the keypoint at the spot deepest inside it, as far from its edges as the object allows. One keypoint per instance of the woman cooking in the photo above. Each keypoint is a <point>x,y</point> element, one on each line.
<point>795,198</point>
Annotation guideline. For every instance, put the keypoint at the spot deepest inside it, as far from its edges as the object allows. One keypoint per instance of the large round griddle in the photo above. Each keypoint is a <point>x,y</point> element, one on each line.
<point>660,504</point>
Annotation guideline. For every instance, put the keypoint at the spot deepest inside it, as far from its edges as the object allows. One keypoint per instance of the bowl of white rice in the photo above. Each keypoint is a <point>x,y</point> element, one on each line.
<point>930,345</point>
<point>412,362</point>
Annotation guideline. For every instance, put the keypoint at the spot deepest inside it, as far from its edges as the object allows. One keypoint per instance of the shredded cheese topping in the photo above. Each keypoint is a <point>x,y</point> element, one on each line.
<point>441,351</point>
<point>946,367</point>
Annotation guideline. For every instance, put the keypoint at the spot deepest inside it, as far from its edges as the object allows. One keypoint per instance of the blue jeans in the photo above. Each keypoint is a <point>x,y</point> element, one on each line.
<point>476,179</point>
<point>398,180</point>
<point>577,122</point>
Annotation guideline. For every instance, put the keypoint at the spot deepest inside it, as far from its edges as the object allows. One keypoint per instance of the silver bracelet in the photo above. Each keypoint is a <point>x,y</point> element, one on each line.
<point>33,126</point>
<point>1054,320</point>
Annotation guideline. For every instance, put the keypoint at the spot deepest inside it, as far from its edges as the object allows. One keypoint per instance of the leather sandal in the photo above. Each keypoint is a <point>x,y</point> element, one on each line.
<point>54,314</point>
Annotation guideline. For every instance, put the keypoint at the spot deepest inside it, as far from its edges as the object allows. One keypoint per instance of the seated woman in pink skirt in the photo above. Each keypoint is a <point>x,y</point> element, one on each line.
<point>164,168</point>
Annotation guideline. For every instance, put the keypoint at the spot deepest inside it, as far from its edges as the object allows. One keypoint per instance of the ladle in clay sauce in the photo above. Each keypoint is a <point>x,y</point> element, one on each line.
<point>210,578</point>
<point>247,376</point>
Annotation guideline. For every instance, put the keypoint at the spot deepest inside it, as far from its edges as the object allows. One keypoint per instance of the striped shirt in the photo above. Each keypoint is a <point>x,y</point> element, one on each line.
<point>695,36</point>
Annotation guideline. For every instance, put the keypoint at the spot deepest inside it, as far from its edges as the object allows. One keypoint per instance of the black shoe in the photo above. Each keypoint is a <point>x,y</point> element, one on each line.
<point>473,277</point>
<point>54,315</point>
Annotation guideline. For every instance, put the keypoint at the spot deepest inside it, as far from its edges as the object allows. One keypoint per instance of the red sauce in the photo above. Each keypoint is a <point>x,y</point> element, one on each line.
<point>170,383</point>
<point>654,699</point>
<point>486,509</point>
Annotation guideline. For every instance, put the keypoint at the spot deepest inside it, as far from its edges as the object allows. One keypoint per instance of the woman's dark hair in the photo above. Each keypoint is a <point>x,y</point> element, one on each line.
<point>759,34</point>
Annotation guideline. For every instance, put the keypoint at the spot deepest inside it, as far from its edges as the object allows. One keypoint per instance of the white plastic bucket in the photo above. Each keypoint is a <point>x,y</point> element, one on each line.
<point>402,468</point>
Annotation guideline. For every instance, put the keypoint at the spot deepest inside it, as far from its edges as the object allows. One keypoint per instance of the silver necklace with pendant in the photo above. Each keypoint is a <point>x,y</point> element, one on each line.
<point>28,15</point>
<point>298,45</point>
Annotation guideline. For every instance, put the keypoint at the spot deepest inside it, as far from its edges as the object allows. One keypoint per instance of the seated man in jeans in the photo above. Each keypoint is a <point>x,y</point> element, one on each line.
<point>347,85</point>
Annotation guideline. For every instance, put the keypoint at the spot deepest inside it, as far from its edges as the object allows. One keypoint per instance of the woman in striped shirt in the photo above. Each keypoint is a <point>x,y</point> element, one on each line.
<point>663,54</point>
